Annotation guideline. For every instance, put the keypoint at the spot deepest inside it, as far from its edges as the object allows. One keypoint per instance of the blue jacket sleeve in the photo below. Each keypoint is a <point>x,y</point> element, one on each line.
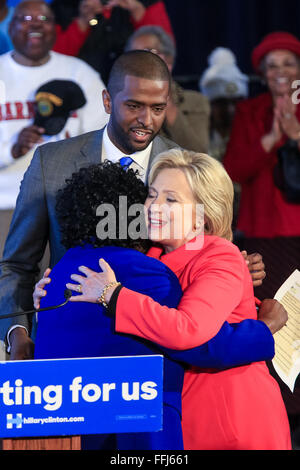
<point>235,345</point>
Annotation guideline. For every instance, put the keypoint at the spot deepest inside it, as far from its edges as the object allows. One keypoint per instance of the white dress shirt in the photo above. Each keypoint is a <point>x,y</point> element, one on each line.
<point>112,153</point>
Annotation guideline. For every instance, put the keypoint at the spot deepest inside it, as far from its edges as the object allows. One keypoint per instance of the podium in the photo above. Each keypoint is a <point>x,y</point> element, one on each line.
<point>50,404</point>
<point>51,443</point>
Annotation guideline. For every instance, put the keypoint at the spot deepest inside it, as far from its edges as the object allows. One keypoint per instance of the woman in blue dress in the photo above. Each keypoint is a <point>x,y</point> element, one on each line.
<point>95,213</point>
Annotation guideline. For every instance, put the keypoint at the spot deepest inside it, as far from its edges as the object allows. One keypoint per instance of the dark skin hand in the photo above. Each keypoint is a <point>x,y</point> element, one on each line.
<point>256,267</point>
<point>22,347</point>
<point>273,314</point>
<point>28,137</point>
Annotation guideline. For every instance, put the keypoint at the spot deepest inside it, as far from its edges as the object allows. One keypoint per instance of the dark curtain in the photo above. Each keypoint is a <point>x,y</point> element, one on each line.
<point>202,25</point>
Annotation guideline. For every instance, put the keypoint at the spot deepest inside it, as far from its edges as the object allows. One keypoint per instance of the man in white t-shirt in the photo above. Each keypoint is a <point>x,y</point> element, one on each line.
<point>22,72</point>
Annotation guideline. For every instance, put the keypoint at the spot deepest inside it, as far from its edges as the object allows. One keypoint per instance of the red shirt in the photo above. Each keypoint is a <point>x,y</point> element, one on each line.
<point>263,210</point>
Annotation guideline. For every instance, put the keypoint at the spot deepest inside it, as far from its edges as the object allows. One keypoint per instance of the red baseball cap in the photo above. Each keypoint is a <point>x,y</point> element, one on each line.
<point>273,41</point>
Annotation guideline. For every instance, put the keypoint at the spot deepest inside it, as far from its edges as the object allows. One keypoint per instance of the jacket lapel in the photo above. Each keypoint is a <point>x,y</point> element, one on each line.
<point>90,152</point>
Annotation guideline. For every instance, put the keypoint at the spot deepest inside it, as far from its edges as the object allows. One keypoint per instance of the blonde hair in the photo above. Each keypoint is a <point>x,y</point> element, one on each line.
<point>210,184</point>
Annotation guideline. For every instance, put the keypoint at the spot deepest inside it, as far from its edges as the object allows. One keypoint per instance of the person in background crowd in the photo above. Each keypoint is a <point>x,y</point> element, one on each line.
<point>68,41</point>
<point>6,14</point>
<point>4,44</point>
<point>187,115</point>
<point>224,85</point>
<point>23,71</point>
<point>101,28</point>
<point>263,126</point>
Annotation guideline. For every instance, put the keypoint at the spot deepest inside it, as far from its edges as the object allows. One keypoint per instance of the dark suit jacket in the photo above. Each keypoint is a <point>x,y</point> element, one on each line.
<point>34,221</point>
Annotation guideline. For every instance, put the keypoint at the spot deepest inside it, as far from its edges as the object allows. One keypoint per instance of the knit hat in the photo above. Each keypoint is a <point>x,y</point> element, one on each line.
<point>223,78</point>
<point>273,41</point>
<point>54,102</point>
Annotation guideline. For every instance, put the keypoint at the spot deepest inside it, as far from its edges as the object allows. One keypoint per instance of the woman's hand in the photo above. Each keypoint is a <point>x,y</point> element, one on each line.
<point>22,347</point>
<point>256,267</point>
<point>273,314</point>
<point>91,285</point>
<point>268,141</point>
<point>39,291</point>
<point>286,112</point>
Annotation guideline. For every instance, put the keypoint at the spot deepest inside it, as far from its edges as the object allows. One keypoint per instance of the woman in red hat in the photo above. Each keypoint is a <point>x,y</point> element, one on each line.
<point>269,222</point>
<point>262,126</point>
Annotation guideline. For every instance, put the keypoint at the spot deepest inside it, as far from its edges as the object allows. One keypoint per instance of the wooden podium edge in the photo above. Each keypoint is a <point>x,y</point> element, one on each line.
<point>40,443</point>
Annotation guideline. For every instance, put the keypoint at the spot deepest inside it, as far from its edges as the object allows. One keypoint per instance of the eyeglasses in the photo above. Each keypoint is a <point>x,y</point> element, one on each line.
<point>28,18</point>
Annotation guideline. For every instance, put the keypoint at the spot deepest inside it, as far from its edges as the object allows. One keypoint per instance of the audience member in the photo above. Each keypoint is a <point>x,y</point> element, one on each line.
<point>224,85</point>
<point>4,43</point>
<point>187,115</point>
<point>6,14</point>
<point>263,127</point>
<point>23,71</point>
<point>68,41</point>
<point>101,29</point>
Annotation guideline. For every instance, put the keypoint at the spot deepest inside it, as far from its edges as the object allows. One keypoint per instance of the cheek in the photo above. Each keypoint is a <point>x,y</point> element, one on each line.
<point>296,73</point>
<point>177,219</point>
<point>147,205</point>
<point>158,121</point>
<point>146,208</point>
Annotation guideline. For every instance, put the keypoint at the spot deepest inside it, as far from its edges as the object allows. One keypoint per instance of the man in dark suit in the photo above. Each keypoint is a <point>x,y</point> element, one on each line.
<point>136,99</point>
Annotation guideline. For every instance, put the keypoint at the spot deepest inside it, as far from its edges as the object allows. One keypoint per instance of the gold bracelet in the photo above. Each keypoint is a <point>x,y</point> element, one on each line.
<point>101,299</point>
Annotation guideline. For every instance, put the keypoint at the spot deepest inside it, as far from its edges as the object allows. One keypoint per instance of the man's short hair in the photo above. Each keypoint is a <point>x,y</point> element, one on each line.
<point>141,64</point>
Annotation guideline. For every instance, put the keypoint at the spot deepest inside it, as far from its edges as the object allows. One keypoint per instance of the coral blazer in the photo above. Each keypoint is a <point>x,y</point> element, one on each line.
<point>238,408</point>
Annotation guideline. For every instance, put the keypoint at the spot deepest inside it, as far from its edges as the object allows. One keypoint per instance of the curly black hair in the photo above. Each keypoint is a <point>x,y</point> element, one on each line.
<point>85,191</point>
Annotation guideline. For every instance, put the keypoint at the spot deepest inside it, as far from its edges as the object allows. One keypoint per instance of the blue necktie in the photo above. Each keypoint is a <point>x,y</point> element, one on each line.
<point>125,162</point>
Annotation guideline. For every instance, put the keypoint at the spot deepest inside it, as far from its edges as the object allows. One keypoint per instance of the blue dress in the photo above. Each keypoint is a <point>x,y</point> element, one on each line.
<point>86,330</point>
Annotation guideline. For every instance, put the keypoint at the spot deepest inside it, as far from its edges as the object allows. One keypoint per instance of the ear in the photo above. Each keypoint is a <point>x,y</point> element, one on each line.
<point>107,101</point>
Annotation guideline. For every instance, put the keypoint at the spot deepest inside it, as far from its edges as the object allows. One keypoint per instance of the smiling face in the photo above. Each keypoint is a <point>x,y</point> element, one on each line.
<point>281,68</point>
<point>136,112</point>
<point>32,31</point>
<point>171,209</point>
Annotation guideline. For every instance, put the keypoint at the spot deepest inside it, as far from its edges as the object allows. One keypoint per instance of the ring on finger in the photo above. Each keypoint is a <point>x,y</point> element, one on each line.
<point>79,288</point>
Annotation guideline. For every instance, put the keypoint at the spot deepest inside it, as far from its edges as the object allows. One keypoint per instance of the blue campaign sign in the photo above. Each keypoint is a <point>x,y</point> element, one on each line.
<point>81,396</point>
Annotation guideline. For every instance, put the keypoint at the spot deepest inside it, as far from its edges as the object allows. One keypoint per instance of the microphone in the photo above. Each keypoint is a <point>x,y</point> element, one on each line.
<point>67,295</point>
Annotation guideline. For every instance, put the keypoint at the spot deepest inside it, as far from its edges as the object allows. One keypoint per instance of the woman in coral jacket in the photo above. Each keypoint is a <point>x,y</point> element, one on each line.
<point>262,125</point>
<point>237,408</point>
